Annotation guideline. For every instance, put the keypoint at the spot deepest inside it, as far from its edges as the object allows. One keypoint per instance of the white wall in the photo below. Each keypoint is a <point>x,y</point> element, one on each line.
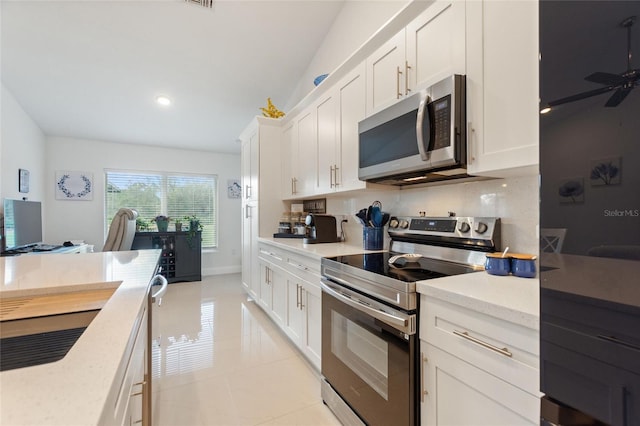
<point>21,147</point>
<point>355,24</point>
<point>83,220</point>
<point>513,200</point>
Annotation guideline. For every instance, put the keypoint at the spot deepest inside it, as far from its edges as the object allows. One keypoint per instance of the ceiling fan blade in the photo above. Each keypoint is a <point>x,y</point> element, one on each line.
<point>617,97</point>
<point>580,96</point>
<point>605,78</point>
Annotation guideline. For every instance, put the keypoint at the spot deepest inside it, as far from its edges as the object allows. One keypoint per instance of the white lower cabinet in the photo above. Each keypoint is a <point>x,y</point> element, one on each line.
<point>289,295</point>
<point>130,397</point>
<point>460,393</point>
<point>476,369</point>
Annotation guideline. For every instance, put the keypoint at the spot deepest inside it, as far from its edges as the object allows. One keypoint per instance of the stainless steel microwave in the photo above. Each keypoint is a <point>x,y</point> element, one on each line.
<point>420,139</point>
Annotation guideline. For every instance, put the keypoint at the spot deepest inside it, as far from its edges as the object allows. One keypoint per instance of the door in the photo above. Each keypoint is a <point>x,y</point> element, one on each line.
<point>326,135</point>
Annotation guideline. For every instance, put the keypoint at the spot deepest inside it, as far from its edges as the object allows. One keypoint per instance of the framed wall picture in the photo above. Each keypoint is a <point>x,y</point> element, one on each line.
<point>234,190</point>
<point>75,186</point>
<point>23,180</point>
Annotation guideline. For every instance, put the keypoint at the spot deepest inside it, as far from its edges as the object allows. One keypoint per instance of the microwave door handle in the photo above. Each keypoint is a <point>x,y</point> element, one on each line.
<point>423,145</point>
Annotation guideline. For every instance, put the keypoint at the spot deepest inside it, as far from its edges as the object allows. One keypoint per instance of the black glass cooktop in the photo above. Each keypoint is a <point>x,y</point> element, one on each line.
<point>407,271</point>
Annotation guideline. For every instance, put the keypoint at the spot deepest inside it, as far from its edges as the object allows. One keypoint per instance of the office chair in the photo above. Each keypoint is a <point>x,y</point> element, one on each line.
<point>121,231</point>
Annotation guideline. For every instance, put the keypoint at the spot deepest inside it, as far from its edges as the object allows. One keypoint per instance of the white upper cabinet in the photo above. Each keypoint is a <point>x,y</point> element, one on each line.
<point>436,44</point>
<point>502,87</point>
<point>307,178</point>
<point>326,119</point>
<point>337,117</point>
<point>427,50</point>
<point>289,159</point>
<point>385,74</point>
<point>299,162</point>
<point>351,110</point>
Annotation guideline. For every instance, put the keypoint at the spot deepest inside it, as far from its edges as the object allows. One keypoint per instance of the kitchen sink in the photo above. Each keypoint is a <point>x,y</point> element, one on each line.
<point>42,329</point>
<point>36,349</point>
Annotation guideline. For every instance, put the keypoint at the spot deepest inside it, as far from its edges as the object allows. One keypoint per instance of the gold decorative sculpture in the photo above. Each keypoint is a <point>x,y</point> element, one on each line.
<point>271,111</point>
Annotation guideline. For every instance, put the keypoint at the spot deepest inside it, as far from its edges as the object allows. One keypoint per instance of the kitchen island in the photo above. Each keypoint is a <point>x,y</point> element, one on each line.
<point>82,387</point>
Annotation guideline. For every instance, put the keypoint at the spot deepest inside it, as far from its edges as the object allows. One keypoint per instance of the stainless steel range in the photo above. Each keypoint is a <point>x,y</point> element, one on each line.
<point>370,311</point>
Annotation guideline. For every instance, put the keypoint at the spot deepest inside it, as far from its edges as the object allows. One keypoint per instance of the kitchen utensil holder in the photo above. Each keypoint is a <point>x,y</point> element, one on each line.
<point>372,238</point>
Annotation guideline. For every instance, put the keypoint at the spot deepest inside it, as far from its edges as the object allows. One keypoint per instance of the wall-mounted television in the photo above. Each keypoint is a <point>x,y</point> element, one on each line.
<point>22,223</point>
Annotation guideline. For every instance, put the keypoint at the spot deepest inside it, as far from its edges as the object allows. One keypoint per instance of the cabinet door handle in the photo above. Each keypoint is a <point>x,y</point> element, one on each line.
<point>423,361</point>
<point>617,341</point>
<point>297,295</point>
<point>247,191</point>
<point>246,212</point>
<point>331,176</point>
<point>471,143</point>
<point>501,351</point>
<point>335,171</point>
<point>398,74</point>
<point>407,67</point>
<point>301,295</point>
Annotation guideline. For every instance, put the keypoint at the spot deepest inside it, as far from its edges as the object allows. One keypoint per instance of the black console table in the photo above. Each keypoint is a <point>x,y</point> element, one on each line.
<point>181,254</point>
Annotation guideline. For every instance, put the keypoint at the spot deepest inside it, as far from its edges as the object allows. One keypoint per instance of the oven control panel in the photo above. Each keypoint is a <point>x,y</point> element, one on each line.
<point>483,228</point>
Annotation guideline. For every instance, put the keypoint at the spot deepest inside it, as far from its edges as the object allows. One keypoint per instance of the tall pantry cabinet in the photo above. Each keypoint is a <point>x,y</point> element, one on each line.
<point>261,178</point>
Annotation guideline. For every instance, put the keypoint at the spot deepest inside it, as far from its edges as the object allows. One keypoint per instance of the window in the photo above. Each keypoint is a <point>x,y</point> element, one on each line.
<point>170,194</point>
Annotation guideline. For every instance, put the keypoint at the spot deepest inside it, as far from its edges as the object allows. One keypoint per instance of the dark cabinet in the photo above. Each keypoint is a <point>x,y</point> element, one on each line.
<point>181,253</point>
<point>590,356</point>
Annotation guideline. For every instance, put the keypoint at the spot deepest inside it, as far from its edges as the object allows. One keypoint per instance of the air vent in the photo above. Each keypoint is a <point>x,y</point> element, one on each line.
<point>204,3</point>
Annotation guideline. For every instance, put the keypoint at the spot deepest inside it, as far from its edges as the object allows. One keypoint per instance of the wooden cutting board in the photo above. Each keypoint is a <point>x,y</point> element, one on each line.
<point>63,303</point>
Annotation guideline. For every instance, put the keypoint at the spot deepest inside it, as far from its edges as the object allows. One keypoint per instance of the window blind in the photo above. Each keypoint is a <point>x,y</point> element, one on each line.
<point>170,194</point>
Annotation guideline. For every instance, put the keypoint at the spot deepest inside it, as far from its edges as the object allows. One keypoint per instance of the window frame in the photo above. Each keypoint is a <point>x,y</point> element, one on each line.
<point>164,192</point>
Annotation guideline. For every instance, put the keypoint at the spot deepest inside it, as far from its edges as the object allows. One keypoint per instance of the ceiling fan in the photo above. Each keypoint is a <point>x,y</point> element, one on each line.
<point>621,83</point>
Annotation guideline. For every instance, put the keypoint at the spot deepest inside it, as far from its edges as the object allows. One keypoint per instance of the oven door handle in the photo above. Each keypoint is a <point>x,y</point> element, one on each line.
<point>399,323</point>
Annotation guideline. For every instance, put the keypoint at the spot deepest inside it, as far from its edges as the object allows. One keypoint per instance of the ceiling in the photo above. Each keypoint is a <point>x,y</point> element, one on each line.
<point>92,69</point>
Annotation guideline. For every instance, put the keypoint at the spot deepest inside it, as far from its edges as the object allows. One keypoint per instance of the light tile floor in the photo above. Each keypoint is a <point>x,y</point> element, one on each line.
<point>221,361</point>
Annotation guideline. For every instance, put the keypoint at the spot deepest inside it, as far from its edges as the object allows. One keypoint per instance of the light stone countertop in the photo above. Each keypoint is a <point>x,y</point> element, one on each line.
<point>318,250</point>
<point>74,390</point>
<point>509,298</point>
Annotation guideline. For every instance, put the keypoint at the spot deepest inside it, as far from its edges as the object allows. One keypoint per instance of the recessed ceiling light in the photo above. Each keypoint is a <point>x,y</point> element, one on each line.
<point>163,100</point>
<point>545,110</point>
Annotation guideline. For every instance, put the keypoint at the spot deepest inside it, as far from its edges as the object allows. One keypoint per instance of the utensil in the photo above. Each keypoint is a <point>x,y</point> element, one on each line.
<point>504,253</point>
<point>385,218</point>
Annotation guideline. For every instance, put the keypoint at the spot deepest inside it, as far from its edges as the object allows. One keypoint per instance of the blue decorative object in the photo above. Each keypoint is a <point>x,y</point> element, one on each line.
<point>319,79</point>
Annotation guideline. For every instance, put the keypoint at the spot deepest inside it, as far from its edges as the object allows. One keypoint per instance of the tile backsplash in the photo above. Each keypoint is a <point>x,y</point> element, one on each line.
<point>514,200</point>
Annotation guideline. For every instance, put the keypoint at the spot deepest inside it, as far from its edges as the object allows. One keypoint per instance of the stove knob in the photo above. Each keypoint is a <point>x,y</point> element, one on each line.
<point>403,224</point>
<point>464,227</point>
<point>481,228</point>
<point>393,223</point>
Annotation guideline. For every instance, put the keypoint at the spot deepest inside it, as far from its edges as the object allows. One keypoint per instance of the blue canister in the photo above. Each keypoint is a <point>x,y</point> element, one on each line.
<point>372,238</point>
<point>497,265</point>
<point>523,265</point>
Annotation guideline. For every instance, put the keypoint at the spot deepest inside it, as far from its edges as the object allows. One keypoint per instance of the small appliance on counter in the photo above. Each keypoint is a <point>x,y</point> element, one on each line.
<point>322,228</point>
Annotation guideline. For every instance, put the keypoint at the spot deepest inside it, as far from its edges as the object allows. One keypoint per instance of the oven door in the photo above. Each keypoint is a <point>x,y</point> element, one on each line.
<point>368,358</point>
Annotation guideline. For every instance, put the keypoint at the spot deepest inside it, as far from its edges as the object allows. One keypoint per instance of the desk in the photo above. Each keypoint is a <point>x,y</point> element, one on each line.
<point>78,248</point>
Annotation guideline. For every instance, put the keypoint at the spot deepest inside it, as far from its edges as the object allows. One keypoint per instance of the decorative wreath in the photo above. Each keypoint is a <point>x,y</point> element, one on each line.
<point>69,194</point>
